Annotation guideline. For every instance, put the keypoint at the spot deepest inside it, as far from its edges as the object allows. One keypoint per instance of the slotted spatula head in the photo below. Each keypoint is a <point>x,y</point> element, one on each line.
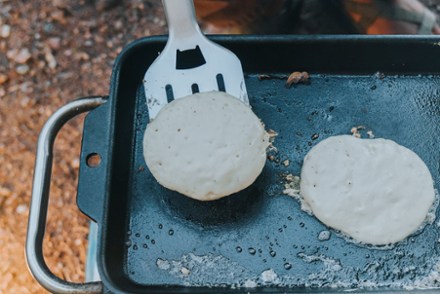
<point>190,63</point>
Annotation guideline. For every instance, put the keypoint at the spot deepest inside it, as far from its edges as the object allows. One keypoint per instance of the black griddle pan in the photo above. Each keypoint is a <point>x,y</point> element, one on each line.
<point>152,240</point>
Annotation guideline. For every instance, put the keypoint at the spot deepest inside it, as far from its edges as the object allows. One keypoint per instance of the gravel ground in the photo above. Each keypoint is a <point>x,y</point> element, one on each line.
<point>434,5</point>
<point>52,51</point>
<point>49,55</point>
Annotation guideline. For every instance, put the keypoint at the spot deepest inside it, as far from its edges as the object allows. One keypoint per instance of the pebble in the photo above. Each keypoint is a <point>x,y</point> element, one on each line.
<point>5,31</point>
<point>21,209</point>
<point>25,101</point>
<point>75,162</point>
<point>3,79</point>
<point>20,56</point>
<point>22,69</point>
<point>51,61</point>
<point>54,43</point>
<point>48,27</point>
<point>4,192</point>
<point>119,24</point>
<point>60,4</point>
<point>23,56</point>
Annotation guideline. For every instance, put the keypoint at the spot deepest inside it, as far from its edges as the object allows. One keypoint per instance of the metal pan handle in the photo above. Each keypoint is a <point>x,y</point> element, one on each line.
<point>40,199</point>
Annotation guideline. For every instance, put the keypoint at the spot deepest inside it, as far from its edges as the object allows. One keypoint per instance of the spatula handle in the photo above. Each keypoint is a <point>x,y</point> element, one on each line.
<point>181,18</point>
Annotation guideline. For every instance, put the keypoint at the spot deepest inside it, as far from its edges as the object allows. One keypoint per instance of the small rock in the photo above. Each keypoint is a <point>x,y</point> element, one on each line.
<point>25,101</point>
<point>82,56</point>
<point>59,17</point>
<point>23,56</point>
<point>75,162</point>
<point>3,78</point>
<point>24,87</point>
<point>20,56</point>
<point>21,209</point>
<point>22,69</point>
<point>48,27</point>
<point>102,5</point>
<point>119,25</point>
<point>63,4</point>
<point>4,192</point>
<point>5,31</point>
<point>54,43</point>
<point>41,64</point>
<point>51,61</point>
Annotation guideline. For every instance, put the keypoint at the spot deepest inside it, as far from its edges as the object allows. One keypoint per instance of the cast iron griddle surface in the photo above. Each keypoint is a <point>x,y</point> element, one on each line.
<point>173,240</point>
<point>157,241</point>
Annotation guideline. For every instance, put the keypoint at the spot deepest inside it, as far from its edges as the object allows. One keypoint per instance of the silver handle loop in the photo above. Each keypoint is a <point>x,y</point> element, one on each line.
<point>40,199</point>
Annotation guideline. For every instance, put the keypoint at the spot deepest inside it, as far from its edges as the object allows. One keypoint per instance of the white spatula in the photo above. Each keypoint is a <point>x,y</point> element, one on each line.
<point>190,63</point>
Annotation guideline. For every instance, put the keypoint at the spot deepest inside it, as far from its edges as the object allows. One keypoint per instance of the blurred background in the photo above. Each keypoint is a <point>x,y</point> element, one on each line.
<point>53,51</point>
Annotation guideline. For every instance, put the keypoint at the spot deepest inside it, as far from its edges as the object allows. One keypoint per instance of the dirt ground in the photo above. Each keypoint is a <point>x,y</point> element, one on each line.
<point>53,51</point>
<point>50,55</point>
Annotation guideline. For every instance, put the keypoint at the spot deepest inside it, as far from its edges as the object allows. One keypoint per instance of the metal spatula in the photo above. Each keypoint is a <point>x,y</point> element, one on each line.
<point>190,63</point>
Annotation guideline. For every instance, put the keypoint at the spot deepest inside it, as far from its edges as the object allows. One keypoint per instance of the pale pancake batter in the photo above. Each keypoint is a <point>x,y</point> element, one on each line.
<point>374,190</point>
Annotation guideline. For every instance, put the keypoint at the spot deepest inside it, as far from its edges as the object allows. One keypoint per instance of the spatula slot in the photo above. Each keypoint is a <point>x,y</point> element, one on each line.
<point>169,91</point>
<point>189,59</point>
<point>195,88</point>
<point>220,82</point>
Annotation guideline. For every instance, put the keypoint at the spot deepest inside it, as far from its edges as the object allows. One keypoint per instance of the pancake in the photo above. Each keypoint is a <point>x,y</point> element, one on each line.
<point>206,146</point>
<point>374,190</point>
